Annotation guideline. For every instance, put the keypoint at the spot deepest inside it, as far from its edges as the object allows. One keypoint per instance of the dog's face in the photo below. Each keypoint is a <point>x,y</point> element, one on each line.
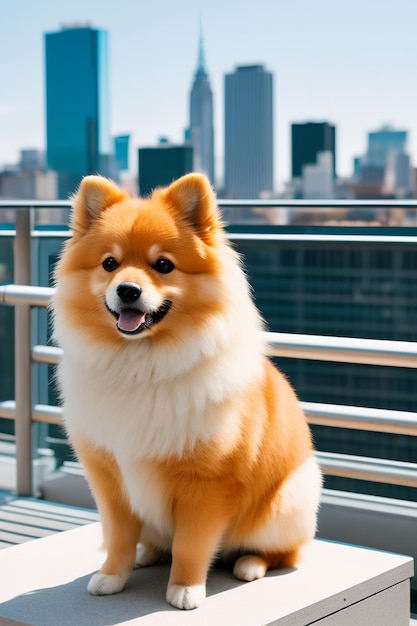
<point>143,267</point>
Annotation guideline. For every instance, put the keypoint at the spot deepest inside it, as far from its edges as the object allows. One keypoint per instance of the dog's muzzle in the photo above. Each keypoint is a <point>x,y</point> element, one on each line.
<point>131,319</point>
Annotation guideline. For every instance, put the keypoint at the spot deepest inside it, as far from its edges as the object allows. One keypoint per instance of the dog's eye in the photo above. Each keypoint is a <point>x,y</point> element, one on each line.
<point>163,266</point>
<point>110,264</point>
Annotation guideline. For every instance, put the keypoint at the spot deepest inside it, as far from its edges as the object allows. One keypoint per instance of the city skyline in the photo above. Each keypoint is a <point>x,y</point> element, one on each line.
<point>350,66</point>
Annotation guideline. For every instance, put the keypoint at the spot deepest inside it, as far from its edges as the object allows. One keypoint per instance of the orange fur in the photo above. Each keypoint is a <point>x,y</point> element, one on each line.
<point>193,443</point>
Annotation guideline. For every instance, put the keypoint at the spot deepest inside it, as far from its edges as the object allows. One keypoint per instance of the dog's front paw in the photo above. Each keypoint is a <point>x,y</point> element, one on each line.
<point>186,597</point>
<point>249,568</point>
<point>104,584</point>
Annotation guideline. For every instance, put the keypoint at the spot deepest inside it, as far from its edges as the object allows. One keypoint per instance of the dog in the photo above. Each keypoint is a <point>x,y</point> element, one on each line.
<point>193,443</point>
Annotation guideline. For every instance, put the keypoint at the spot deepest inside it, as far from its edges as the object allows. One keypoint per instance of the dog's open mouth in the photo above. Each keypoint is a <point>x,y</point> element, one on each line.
<point>131,321</point>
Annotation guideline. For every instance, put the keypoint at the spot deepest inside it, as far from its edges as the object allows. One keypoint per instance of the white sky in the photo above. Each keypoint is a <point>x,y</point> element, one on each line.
<point>351,63</point>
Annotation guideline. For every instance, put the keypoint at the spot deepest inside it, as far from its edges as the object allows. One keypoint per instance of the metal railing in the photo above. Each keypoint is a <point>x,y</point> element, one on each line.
<point>348,350</point>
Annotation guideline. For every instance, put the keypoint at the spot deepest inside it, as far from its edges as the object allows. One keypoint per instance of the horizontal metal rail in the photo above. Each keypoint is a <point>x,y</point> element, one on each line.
<point>22,205</point>
<point>281,238</point>
<point>334,415</point>
<point>365,468</point>
<point>322,239</point>
<point>316,347</point>
<point>41,413</point>
<point>344,349</point>
<point>320,204</point>
<point>47,414</point>
<point>222,202</point>
<point>24,294</point>
<point>46,354</point>
<point>8,409</point>
<point>361,418</point>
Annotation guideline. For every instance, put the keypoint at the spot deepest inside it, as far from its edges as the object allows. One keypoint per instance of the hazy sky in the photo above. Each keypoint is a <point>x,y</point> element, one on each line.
<point>351,63</point>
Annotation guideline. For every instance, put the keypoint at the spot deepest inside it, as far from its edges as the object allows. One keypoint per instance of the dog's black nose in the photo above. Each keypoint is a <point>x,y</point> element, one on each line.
<point>128,292</point>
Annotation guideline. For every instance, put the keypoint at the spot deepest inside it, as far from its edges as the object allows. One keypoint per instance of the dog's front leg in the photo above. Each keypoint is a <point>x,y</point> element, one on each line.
<point>198,533</point>
<point>121,527</point>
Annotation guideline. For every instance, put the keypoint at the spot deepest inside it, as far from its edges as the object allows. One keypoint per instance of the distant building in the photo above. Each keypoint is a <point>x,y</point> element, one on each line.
<point>307,140</point>
<point>29,180</point>
<point>317,179</point>
<point>28,185</point>
<point>32,159</point>
<point>398,175</point>
<point>161,165</point>
<point>77,105</point>
<point>385,168</point>
<point>249,133</point>
<point>121,152</point>
<point>201,132</point>
<point>381,143</point>
<point>414,182</point>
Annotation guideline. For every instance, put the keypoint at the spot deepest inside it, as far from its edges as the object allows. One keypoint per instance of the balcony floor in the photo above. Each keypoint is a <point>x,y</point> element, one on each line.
<point>23,519</point>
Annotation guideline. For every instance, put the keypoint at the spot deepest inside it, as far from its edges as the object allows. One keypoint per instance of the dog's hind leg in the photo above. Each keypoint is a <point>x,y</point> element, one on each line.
<point>147,555</point>
<point>253,566</point>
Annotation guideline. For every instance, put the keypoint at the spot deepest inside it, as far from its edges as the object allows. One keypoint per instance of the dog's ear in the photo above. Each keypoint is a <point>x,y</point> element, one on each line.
<point>192,198</point>
<point>94,195</point>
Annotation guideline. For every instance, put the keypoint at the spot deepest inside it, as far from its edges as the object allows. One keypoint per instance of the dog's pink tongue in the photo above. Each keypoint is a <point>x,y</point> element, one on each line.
<point>130,320</point>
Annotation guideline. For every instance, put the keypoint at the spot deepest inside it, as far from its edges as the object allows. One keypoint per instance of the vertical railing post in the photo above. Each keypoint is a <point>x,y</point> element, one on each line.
<point>23,382</point>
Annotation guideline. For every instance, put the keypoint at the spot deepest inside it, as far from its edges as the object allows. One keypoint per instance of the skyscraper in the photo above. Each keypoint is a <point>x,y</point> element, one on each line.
<point>161,165</point>
<point>201,133</point>
<point>248,132</point>
<point>307,140</point>
<point>317,180</point>
<point>121,152</point>
<point>385,168</point>
<point>77,105</point>
<point>383,142</point>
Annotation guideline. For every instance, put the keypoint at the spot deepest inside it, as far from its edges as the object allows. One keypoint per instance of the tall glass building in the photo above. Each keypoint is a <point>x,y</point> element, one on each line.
<point>307,140</point>
<point>77,105</point>
<point>383,142</point>
<point>201,119</point>
<point>249,133</point>
<point>384,169</point>
<point>160,166</point>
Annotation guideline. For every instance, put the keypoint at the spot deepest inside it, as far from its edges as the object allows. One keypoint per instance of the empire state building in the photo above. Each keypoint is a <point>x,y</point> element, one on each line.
<point>201,131</point>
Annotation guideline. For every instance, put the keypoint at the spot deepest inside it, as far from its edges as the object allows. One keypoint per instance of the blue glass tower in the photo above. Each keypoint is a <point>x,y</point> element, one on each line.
<point>77,105</point>
<point>382,142</point>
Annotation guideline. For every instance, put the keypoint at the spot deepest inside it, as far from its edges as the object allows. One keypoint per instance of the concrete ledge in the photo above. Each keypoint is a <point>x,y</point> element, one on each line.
<point>371,521</point>
<point>43,582</point>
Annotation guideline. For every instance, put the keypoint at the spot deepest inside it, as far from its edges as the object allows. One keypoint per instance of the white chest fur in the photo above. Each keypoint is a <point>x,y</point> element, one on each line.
<point>143,403</point>
<point>148,498</point>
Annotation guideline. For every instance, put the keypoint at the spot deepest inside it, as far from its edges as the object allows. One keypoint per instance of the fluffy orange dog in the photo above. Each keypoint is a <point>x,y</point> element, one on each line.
<point>193,443</point>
